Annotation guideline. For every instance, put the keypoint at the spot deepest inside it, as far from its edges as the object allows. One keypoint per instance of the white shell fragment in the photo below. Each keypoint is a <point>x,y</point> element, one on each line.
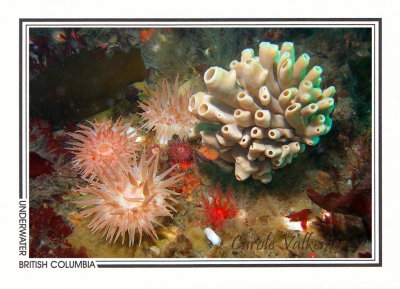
<point>212,236</point>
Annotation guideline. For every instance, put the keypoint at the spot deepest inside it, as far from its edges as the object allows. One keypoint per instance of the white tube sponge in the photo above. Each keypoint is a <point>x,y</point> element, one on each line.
<point>262,118</point>
<point>286,97</point>
<point>278,121</point>
<point>274,134</point>
<point>281,134</point>
<point>251,74</point>
<point>299,69</point>
<point>194,132</point>
<point>247,102</point>
<point>232,132</point>
<point>289,48</point>
<point>246,140</point>
<point>294,147</point>
<point>258,133</point>
<point>224,141</point>
<point>268,54</point>
<point>264,172</point>
<point>243,166</point>
<point>213,113</point>
<point>269,108</point>
<point>313,75</point>
<point>279,160</point>
<point>195,101</point>
<point>268,101</point>
<point>210,139</point>
<point>329,92</point>
<point>292,115</point>
<point>222,84</point>
<point>272,151</point>
<point>255,150</point>
<point>284,71</point>
<point>305,96</point>
<point>326,106</point>
<point>246,54</point>
<point>243,118</point>
<point>200,97</point>
<point>307,112</point>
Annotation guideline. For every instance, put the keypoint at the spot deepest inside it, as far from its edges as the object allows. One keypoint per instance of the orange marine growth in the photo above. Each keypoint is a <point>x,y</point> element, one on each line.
<point>145,35</point>
<point>191,182</point>
<point>216,210</point>
<point>209,152</point>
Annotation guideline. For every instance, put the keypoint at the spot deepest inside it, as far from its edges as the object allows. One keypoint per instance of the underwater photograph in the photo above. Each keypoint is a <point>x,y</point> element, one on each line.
<point>200,142</point>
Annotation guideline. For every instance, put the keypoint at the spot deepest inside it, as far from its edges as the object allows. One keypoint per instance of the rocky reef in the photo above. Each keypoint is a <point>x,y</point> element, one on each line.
<point>180,175</point>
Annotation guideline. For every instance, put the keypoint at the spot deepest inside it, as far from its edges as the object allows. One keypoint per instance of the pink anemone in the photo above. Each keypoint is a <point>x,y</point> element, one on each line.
<point>167,112</point>
<point>103,146</point>
<point>130,202</point>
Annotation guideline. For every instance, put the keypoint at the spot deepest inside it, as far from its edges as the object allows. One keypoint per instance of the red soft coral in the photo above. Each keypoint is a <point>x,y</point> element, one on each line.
<point>216,210</point>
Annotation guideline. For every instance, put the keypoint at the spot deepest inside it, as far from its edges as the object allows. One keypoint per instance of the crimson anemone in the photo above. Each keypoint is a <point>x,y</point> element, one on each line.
<point>181,152</point>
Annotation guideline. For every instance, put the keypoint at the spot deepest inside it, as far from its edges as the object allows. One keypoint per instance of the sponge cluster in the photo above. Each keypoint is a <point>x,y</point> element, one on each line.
<point>269,108</point>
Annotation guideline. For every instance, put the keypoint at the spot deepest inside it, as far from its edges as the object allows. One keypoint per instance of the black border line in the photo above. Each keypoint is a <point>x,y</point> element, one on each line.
<point>191,25</point>
<point>380,99</point>
<point>196,19</point>
<point>26,124</point>
<point>20,112</point>
<point>362,262</point>
<point>193,265</point>
<point>200,20</point>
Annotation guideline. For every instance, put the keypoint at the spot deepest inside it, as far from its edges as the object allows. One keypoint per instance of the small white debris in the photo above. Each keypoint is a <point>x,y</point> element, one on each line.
<point>241,215</point>
<point>155,250</point>
<point>156,48</point>
<point>293,226</point>
<point>212,236</point>
<point>131,131</point>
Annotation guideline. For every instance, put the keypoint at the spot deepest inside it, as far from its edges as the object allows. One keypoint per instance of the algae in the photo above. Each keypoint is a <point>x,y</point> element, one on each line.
<point>83,84</point>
